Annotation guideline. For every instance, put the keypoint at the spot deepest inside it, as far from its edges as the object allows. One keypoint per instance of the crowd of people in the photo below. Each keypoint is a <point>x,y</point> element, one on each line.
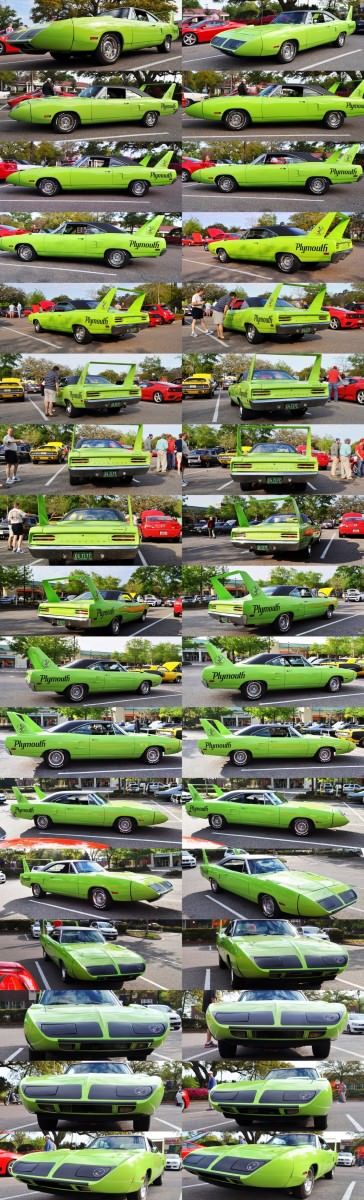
<point>346,463</point>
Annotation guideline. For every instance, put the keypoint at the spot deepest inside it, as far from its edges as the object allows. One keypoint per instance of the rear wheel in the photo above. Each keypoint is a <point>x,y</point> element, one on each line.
<point>254,690</point>
<point>65,122</point>
<point>109,48</point>
<point>333,120</point>
<point>48,187</point>
<point>330,612</point>
<point>77,692</point>
<point>165,48</point>
<point>334,323</point>
<point>117,258</point>
<point>81,335</point>
<point>215,886</point>
<point>283,622</point>
<point>236,119</point>
<point>157,398</point>
<point>37,891</point>
<point>287,52</point>
<point>125,825</point>
<point>340,41</point>
<point>287,263</point>
<point>57,759</point>
<point>217,821</point>
<point>189,39</point>
<point>317,186</point>
<point>268,905</point>
<point>301,827</point>
<point>150,118</point>
<point>115,626</point>
<point>240,758</point>
<point>306,1188</point>
<point>252,335</point>
<point>25,252</point>
<point>138,187</point>
<point>99,898</point>
<point>334,684</point>
<point>158,1182</point>
<point>42,821</point>
<point>360,397</point>
<point>185,175</point>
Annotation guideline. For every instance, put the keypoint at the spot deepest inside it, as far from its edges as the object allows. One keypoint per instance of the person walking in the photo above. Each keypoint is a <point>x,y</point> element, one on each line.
<point>11,458</point>
<point>333,378</point>
<point>359,451</point>
<point>51,387</point>
<point>19,309</point>
<point>16,529</point>
<point>345,455</point>
<point>11,311</point>
<point>211,522</point>
<point>342,1092</point>
<point>335,457</point>
<point>171,453</point>
<point>161,448</point>
<point>179,449</point>
<point>148,442</point>
<point>198,313</point>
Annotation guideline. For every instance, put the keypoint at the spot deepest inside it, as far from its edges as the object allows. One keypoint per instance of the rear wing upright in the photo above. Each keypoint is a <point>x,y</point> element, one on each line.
<point>317,302</point>
<point>240,515</point>
<point>211,728</point>
<point>251,585</point>
<point>344,155</point>
<point>315,372</point>
<point>149,229</point>
<point>22,723</point>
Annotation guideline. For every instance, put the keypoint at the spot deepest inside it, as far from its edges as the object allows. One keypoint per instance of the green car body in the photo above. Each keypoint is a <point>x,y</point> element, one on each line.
<point>280,169</point>
<point>102,174</point>
<point>97,104</point>
<point>300,1092</point>
<point>265,672</point>
<point>269,463</point>
<point>93,459</point>
<point>105,36</point>
<point>78,1020</point>
<point>279,102</point>
<point>85,880</point>
<point>99,240</point>
<point>85,323</point>
<point>90,740</point>
<point>269,951</point>
<point>285,246</point>
<point>292,1161</point>
<point>87,391</point>
<point>268,742</point>
<point>85,808</point>
<point>85,955</point>
<point>287,34</point>
<point>265,880</point>
<point>88,535</point>
<point>264,317</point>
<point>112,1165</point>
<point>280,534</point>
<point>80,679</point>
<point>107,1089</point>
<point>280,605</point>
<point>275,390</point>
<point>261,809</point>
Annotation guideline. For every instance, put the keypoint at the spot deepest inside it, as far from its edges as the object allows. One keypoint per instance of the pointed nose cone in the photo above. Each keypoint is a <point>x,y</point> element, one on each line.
<point>195,109</point>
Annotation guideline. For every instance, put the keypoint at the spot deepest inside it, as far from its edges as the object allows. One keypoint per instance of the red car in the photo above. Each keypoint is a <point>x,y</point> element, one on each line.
<point>351,524</point>
<point>322,456</point>
<point>156,526</point>
<point>6,1157</point>
<point>352,389</point>
<point>189,165</point>
<point>346,318</point>
<point>6,229</point>
<point>161,391</point>
<point>199,30</point>
<point>6,46</point>
<point>15,978</point>
<point>158,314</point>
<point>42,306</point>
<point>177,607</point>
<point>60,90</point>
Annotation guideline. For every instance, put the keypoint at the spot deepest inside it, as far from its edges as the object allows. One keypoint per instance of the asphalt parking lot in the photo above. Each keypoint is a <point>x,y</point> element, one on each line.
<point>15,900</point>
<point>164,269</point>
<point>161,197</point>
<point>21,621</point>
<point>19,693</point>
<point>199,197</point>
<point>201,265</point>
<point>347,1185</point>
<point>211,766</point>
<point>17,337</point>
<point>168,129</point>
<point>202,972</point>
<point>208,58</point>
<point>193,127</point>
<point>346,1118</point>
<point>53,479</point>
<point>16,1118</point>
<point>347,1049</point>
<point>145,60</point>
<point>352,694</point>
<point>218,408</point>
<point>196,620</point>
<point>141,411</point>
<point>199,480</point>
<point>199,901</point>
<point>168,834</point>
<point>330,549</point>
<point>163,957</point>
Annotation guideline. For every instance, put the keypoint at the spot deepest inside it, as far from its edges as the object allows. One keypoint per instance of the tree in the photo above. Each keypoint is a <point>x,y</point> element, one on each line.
<point>61,650</point>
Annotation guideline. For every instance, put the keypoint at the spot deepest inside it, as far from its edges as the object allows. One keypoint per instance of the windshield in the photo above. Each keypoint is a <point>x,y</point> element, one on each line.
<point>292,1073</point>
<point>273,995</point>
<point>293,1139</point>
<point>77,996</point>
<point>99,1068</point>
<point>118,1141</point>
<point>83,867</point>
<point>290,18</point>
<point>71,936</point>
<point>265,866</point>
<point>264,929</point>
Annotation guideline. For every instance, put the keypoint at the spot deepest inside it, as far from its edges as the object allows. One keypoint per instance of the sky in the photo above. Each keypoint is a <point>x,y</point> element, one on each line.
<point>243,220</point>
<point>155,430</point>
<point>318,431</point>
<point>297,362</point>
<point>123,574</point>
<point>106,645</point>
<point>72,361</point>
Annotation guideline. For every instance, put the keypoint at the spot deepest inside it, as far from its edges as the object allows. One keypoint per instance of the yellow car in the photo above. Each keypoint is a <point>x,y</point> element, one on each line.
<point>345,661</point>
<point>51,452</point>
<point>12,388</point>
<point>171,672</point>
<point>202,383</point>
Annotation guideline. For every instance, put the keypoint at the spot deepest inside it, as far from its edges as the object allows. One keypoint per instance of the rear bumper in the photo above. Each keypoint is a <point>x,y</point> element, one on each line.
<point>70,554</point>
<point>292,402</point>
<point>236,618</point>
<point>105,473</point>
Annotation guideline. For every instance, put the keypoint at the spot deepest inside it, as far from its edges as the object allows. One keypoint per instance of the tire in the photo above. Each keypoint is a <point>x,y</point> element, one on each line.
<point>125,825</point>
<point>141,1123</point>
<point>235,980</point>
<point>236,118</point>
<point>142,1192</point>
<point>330,1174</point>
<point>240,758</point>
<point>305,1189</point>
<point>252,335</point>
<point>42,821</point>
<point>287,52</point>
<point>334,323</point>
<point>99,898</point>
<point>47,1123</point>
<point>317,186</point>
<point>301,827</point>
<point>324,755</point>
<point>215,886</point>
<point>158,1182</point>
<point>320,1123</point>
<point>56,759</point>
<point>227,1048</point>
<point>330,612</point>
<point>37,891</point>
<point>25,252</point>
<point>222,255</point>
<point>226,183</point>
<point>185,176</point>
<point>48,187</point>
<point>165,48</point>
<point>152,755</point>
<point>144,688</point>
<point>157,398</point>
<point>283,623</point>
<point>63,974</point>
<point>222,964</point>
<point>76,692</point>
<point>150,119</point>
<point>36,326</point>
<point>268,905</point>
<point>189,39</point>
<point>139,187</point>
<point>217,821</point>
<point>109,49</point>
<point>334,684</point>
<point>340,41</point>
<point>254,690</point>
<point>287,263</point>
<point>2,48</point>
<point>360,397</point>
<point>65,122</point>
<point>115,626</point>
<point>81,335</point>
<point>333,120</point>
<point>117,259</point>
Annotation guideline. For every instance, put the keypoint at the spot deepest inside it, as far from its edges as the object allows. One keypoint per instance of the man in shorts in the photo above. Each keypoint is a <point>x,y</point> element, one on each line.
<point>219,309</point>
<point>51,385</point>
<point>16,529</point>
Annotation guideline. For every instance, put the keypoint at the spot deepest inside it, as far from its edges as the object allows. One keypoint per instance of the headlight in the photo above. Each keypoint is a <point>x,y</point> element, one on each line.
<point>252,1165</point>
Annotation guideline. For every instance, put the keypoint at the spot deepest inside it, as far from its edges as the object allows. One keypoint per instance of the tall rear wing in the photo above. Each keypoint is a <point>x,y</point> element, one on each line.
<point>149,229</point>
<point>165,160</point>
<point>251,585</point>
<point>138,443</point>
<point>315,372</point>
<point>22,723</point>
<point>216,654</point>
<point>240,514</point>
<point>272,299</point>
<point>317,302</point>
<point>344,155</point>
<point>169,94</point>
<point>90,586</point>
<point>211,728</point>
<point>106,301</point>
<point>40,660</point>
<point>321,229</point>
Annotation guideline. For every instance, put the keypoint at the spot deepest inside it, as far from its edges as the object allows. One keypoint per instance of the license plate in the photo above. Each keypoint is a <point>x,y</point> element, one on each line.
<point>262,546</point>
<point>275,478</point>
<point>293,405</point>
<point>82,555</point>
<point>110,474</point>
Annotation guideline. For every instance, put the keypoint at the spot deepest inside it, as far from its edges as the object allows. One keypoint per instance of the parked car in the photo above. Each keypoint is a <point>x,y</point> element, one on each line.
<point>187,859</point>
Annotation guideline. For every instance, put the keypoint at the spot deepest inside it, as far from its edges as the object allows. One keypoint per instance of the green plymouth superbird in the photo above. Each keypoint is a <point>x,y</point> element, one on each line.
<point>279,605</point>
<point>100,240</point>
<point>259,317</point>
<point>105,36</point>
<point>285,246</point>
<point>286,35</point>
<point>279,169</point>
<point>78,1020</point>
<point>88,391</point>
<point>260,809</point>
<point>85,808</point>
<point>90,739</point>
<point>88,535</point>
<point>107,1089</point>
<point>267,464</point>
<point>267,881</point>
<point>288,1160</point>
<point>283,533</point>
<point>275,390</point>
<point>285,1091</point>
<point>280,102</point>
<point>108,610</point>
<point>99,103</point>
<point>269,671</point>
<point>98,172</point>
<point>92,459</point>
<point>114,1164</point>
<point>84,954</point>
<point>269,741</point>
<point>83,879</point>
<point>85,676</point>
<point>84,320</point>
<point>288,955</point>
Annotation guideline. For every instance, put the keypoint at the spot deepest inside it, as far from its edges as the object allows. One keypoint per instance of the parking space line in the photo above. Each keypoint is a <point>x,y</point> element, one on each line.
<point>231,264</point>
<point>349,1191</point>
<point>225,906</point>
<point>23,333</point>
<point>354,1122</point>
<point>59,472</point>
<point>39,410</point>
<point>37,967</point>
<point>327,547</point>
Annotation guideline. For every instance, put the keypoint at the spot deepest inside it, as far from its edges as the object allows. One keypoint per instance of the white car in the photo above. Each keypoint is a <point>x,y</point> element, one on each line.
<point>174,1017</point>
<point>345,1158</point>
<point>187,859</point>
<point>314,932</point>
<point>354,594</point>
<point>173,1162</point>
<point>107,928</point>
<point>355,1022</point>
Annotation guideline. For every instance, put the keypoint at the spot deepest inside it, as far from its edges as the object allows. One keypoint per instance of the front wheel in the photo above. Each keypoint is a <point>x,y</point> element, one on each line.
<point>36,326</point>
<point>152,755</point>
<point>141,1123</point>
<point>150,119</point>
<point>42,821</point>
<point>185,175</point>
<point>165,48</point>
<point>57,759</point>
<point>317,186</point>
<point>76,692</point>
<point>359,397</point>
<point>334,684</point>
<point>144,688</point>
<point>138,187</point>
<point>254,690</point>
<point>333,120</point>
<point>65,122</point>
<point>287,52</point>
<point>157,398</point>
<point>99,898</point>
<point>217,821</point>
<point>330,612</point>
<point>142,1192</point>
<point>48,187</point>
<point>125,825</point>
<point>302,827</point>
<point>236,119</point>
<point>222,256</point>
<point>109,49</point>
<point>287,263</point>
<point>268,905</point>
<point>306,1188</point>
<point>324,755</point>
<point>227,1048</point>
<point>117,258</point>
<point>25,252</point>
<point>81,335</point>
<point>226,183</point>
<point>240,758</point>
<point>334,323</point>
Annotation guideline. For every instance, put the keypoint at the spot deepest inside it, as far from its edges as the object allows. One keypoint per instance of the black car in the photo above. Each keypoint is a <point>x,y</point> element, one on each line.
<point>206,457</point>
<point>23,451</point>
<point>27,524</point>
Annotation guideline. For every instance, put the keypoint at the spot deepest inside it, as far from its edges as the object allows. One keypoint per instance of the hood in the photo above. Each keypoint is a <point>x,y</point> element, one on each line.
<point>281,946</point>
<point>312,885</point>
<point>76,1158</point>
<point>94,952</point>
